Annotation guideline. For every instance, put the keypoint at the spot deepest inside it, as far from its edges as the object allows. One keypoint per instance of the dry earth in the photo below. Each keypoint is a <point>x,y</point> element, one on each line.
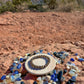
<point>21,33</point>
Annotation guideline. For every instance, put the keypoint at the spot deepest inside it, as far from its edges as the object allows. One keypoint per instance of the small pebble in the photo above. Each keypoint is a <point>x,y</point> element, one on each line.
<point>65,71</point>
<point>76,54</point>
<point>72,59</point>
<point>34,82</point>
<point>3,77</point>
<point>22,82</point>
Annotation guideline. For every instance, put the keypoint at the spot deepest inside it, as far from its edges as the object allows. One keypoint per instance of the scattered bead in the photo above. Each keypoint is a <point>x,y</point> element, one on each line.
<point>72,60</point>
<point>3,77</point>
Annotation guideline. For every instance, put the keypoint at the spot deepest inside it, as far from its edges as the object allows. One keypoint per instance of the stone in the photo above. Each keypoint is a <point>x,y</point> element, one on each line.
<point>39,79</point>
<point>21,59</point>
<point>51,81</point>
<point>34,82</point>
<point>12,78</point>
<point>18,79</point>
<point>18,66</point>
<point>77,57</point>
<point>60,74</point>
<point>65,71</point>
<point>14,64</point>
<point>72,73</point>
<point>72,60</point>
<point>8,80</point>
<point>3,77</point>
<point>81,59</point>
<point>22,82</point>
<point>54,71</point>
<point>16,72</point>
<point>76,54</point>
<point>43,78</point>
<point>48,78</point>
<point>41,51</point>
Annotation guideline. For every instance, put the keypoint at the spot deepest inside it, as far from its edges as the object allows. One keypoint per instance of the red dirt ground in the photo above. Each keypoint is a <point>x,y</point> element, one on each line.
<point>25,32</point>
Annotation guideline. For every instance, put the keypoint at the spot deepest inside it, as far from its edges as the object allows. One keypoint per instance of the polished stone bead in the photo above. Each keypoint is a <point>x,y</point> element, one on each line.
<point>65,71</point>
<point>80,59</point>
<point>41,51</point>
<point>76,54</point>
<point>11,68</point>
<point>48,53</point>
<point>60,74</point>
<point>14,64</point>
<point>19,79</point>
<point>54,71</point>
<point>16,72</point>
<point>22,82</point>
<point>19,66</point>
<point>72,59</point>
<point>12,78</point>
<point>54,53</point>
<point>68,82</point>
<point>21,59</point>
<point>3,77</point>
<point>34,82</point>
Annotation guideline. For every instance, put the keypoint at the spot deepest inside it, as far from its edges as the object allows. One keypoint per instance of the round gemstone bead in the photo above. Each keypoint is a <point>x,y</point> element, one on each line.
<point>14,64</point>
<point>34,82</point>
<point>76,54</point>
<point>72,60</point>
<point>22,82</point>
<point>11,68</point>
<point>19,79</point>
<point>19,66</point>
<point>65,71</point>
<point>80,59</point>
<point>21,59</point>
<point>3,77</point>
<point>16,72</point>
<point>41,51</point>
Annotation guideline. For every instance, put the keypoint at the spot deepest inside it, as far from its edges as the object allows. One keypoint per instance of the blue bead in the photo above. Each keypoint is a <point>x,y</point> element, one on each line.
<point>52,77</point>
<point>12,78</point>
<point>69,62</point>
<point>19,66</point>
<point>41,51</point>
<point>14,64</point>
<point>34,82</point>
<point>21,59</point>
<point>11,68</point>
<point>3,77</point>
<point>72,60</point>
<point>80,59</point>
<point>22,82</point>
<point>73,77</point>
<point>16,72</point>
<point>60,74</point>
<point>66,55</point>
<point>60,55</point>
<point>65,71</point>
<point>48,53</point>
<point>56,80</point>
<point>54,71</point>
<point>62,52</point>
<point>18,79</point>
<point>76,54</point>
<point>55,53</point>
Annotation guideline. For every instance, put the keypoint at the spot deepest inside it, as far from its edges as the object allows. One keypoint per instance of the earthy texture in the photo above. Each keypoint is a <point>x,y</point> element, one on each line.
<point>21,33</point>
